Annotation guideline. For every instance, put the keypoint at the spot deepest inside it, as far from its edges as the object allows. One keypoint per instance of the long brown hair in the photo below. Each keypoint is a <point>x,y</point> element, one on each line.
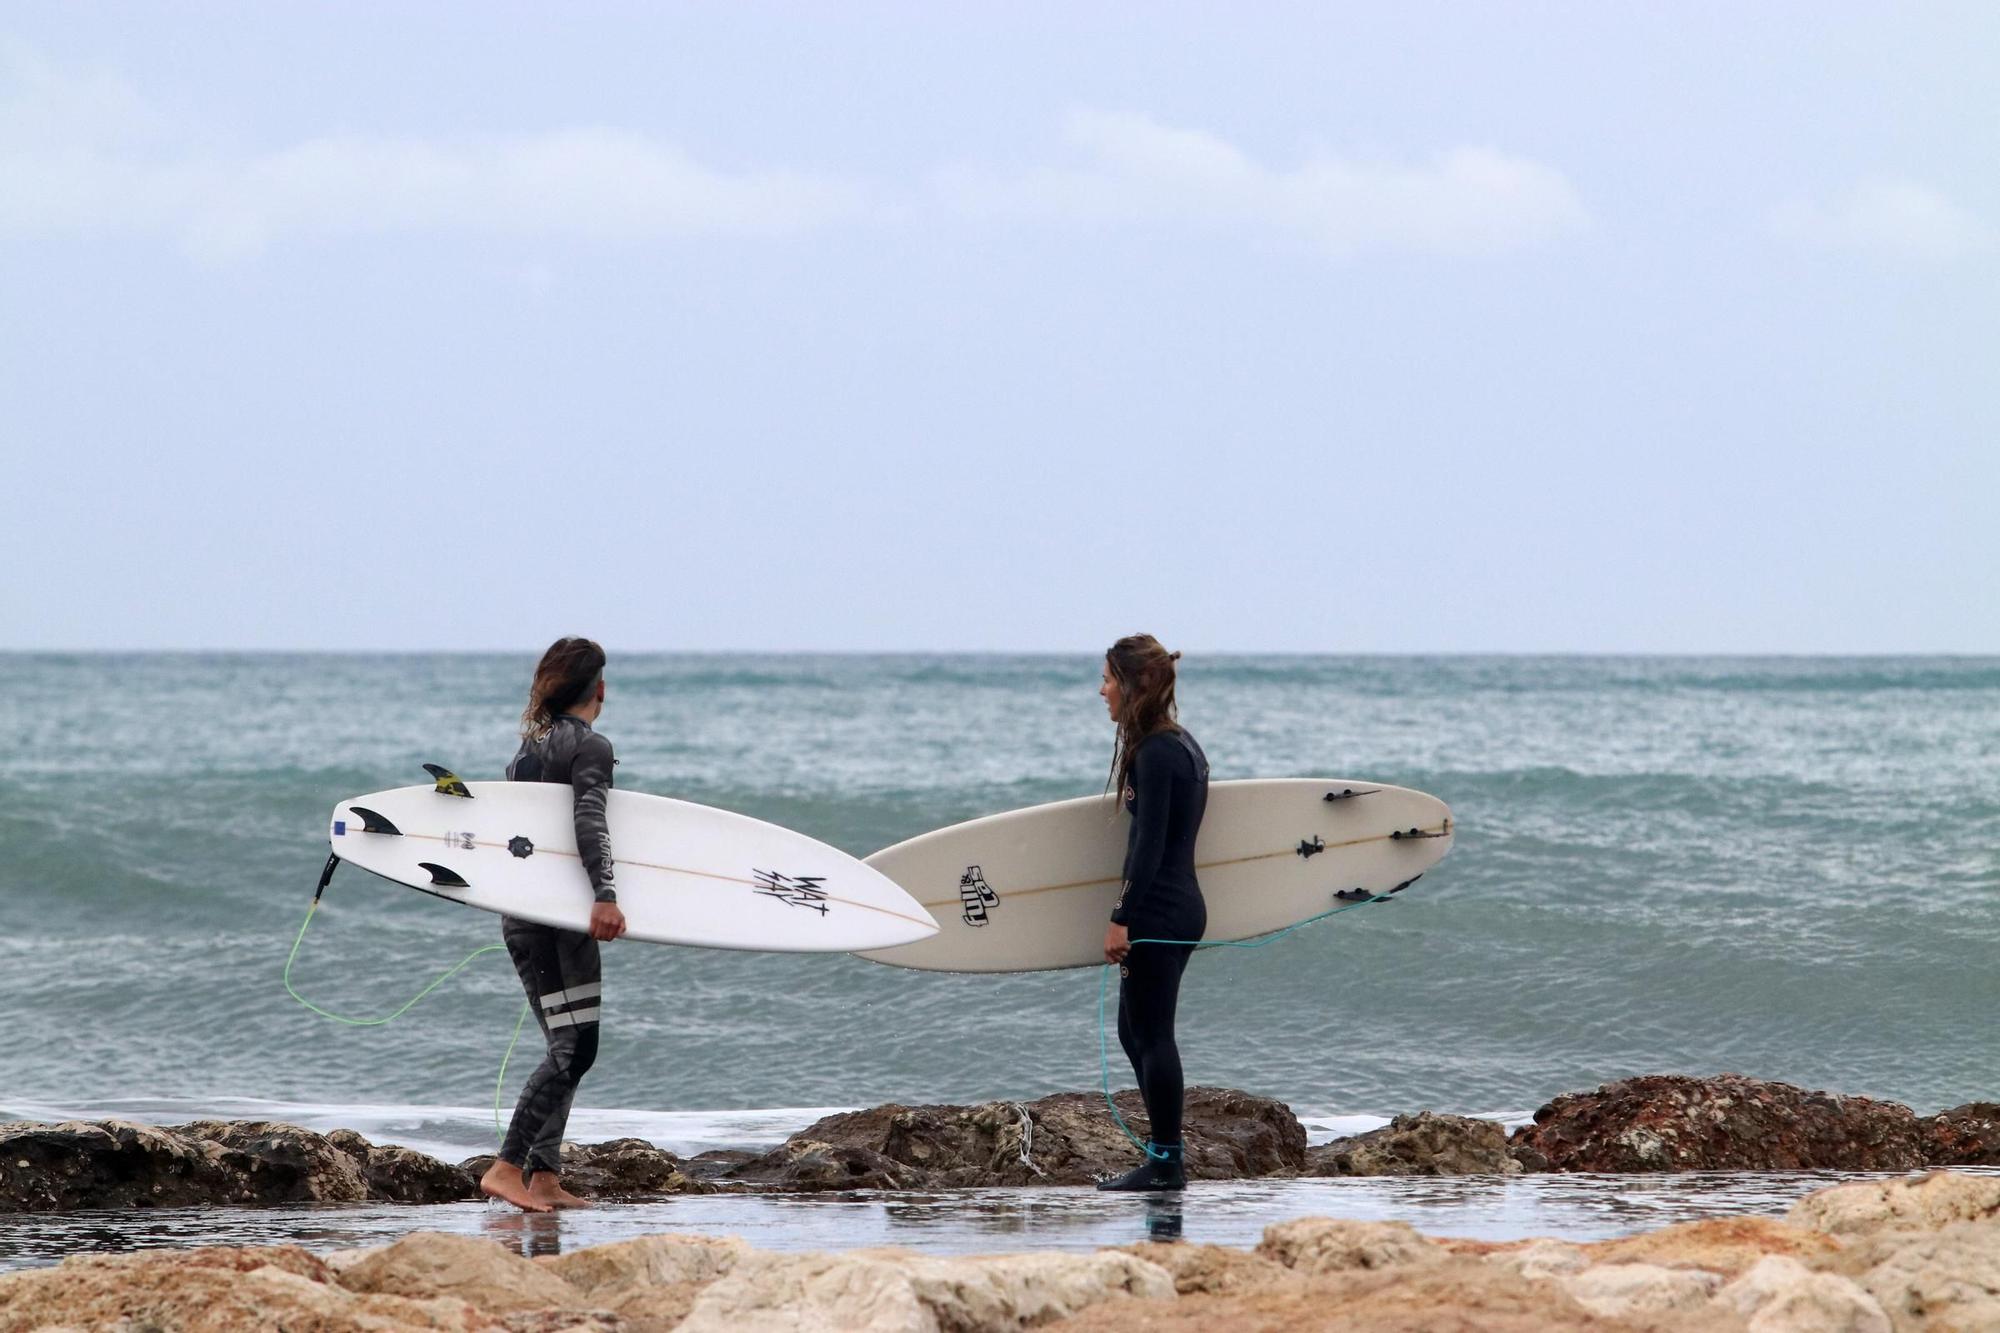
<point>1144,670</point>
<point>563,679</point>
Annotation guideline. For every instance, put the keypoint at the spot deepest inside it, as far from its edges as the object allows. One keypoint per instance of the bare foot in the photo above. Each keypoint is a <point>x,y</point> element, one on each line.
<point>503,1181</point>
<point>547,1188</point>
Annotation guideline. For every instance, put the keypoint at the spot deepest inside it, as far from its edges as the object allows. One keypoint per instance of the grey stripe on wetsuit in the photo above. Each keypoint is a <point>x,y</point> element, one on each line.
<point>560,969</point>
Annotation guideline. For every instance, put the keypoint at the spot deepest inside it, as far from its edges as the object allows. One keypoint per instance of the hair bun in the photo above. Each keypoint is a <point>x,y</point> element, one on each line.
<point>1174,656</point>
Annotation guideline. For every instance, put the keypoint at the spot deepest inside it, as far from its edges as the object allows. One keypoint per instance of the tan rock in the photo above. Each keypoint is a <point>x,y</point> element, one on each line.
<point>1781,1295</point>
<point>1624,1289</point>
<point>204,1291</point>
<point>1942,1281</point>
<point>1921,1202</point>
<point>658,1260</point>
<point>1216,1269</point>
<point>1726,1245</point>
<point>1457,1294</point>
<point>1324,1245</point>
<point>651,1283</point>
<point>899,1292</point>
<point>1541,1259</point>
<point>424,1264</point>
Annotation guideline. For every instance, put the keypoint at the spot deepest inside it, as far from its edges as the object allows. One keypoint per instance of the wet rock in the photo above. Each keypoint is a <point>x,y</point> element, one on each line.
<point>807,1165</point>
<point>1725,1123</point>
<point>891,1291</point>
<point>1617,1290</point>
<point>1966,1135</point>
<point>216,1291</point>
<point>1064,1139</point>
<point>481,1273</point>
<point>1313,1245</point>
<point>716,1163</point>
<point>116,1164</point>
<point>625,1168</point>
<point>271,1162</point>
<point>1923,1203</point>
<point>1780,1295</point>
<point>1425,1144</point>
<point>109,1164</point>
<point>403,1175</point>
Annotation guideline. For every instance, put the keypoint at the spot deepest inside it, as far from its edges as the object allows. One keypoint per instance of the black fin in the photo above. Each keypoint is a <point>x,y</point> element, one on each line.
<point>1405,835</point>
<point>374,823</point>
<point>448,782</point>
<point>1348,794</point>
<point>444,876</point>
<point>1311,849</point>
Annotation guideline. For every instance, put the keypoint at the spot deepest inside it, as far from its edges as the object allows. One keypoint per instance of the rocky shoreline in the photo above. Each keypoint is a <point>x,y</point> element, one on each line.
<point>1655,1123</point>
<point>1911,1255</point>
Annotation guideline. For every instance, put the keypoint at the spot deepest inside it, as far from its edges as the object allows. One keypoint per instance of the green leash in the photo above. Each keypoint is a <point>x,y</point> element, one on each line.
<point>1104,986</point>
<point>408,1004</point>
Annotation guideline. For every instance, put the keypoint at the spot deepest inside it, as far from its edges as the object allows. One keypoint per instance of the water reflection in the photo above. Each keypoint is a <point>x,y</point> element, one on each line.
<point>530,1235</point>
<point>983,1221</point>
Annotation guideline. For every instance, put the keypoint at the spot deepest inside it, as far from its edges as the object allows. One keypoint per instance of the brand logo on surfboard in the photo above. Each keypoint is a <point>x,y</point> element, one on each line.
<point>464,842</point>
<point>975,895</point>
<point>796,890</point>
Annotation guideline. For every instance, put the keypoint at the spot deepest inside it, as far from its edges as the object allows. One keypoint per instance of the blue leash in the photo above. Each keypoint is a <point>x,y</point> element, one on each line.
<point>1104,986</point>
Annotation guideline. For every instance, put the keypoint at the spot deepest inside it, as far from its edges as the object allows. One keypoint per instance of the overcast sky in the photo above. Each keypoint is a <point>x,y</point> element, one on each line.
<point>1391,327</point>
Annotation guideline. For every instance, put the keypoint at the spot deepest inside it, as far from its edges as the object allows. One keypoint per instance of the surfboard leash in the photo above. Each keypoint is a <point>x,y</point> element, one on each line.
<point>1104,987</point>
<point>326,876</point>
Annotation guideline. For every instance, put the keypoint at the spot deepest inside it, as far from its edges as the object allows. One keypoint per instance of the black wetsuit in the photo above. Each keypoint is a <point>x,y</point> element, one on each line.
<point>1161,900</point>
<point>560,969</point>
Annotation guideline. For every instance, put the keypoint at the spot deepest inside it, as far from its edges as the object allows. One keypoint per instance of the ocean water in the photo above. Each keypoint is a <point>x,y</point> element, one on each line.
<point>1783,867</point>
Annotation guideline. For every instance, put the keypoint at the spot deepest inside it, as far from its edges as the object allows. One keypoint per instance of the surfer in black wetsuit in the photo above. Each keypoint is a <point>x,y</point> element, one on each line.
<point>1162,778</point>
<point>560,968</point>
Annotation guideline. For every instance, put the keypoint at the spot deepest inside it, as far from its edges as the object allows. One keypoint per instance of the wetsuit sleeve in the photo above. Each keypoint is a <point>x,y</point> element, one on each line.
<point>1153,794</point>
<point>590,779</point>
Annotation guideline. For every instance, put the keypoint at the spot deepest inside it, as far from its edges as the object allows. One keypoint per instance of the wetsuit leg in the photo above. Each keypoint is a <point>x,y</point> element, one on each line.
<point>562,975</point>
<point>1149,990</point>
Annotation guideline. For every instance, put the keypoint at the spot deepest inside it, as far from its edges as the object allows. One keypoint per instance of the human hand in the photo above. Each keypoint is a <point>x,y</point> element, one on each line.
<point>1117,943</point>
<point>607,922</point>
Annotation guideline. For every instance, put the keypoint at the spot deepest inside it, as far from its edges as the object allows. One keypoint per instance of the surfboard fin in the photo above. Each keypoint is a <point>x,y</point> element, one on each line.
<point>1348,794</point>
<point>1407,834</point>
<point>1311,849</point>
<point>448,782</point>
<point>444,877</point>
<point>1370,896</point>
<point>374,823</point>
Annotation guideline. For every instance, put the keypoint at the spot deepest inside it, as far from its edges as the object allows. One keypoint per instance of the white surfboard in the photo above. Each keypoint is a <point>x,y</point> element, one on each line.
<point>1032,889</point>
<point>685,873</point>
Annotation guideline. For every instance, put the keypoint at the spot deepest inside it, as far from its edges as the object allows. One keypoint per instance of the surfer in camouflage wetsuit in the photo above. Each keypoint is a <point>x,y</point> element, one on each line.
<point>559,968</point>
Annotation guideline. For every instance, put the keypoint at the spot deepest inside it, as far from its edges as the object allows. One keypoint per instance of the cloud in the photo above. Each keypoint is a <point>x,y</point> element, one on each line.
<point>1891,217</point>
<point>1135,170</point>
<point>83,152</point>
<point>86,154</point>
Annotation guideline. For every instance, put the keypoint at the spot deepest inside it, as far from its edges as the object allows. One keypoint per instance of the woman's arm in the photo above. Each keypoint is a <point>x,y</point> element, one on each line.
<point>590,779</point>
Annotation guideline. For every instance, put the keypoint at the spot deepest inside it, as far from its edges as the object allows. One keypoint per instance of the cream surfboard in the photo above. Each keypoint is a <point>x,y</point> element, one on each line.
<point>685,873</point>
<point>1032,889</point>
